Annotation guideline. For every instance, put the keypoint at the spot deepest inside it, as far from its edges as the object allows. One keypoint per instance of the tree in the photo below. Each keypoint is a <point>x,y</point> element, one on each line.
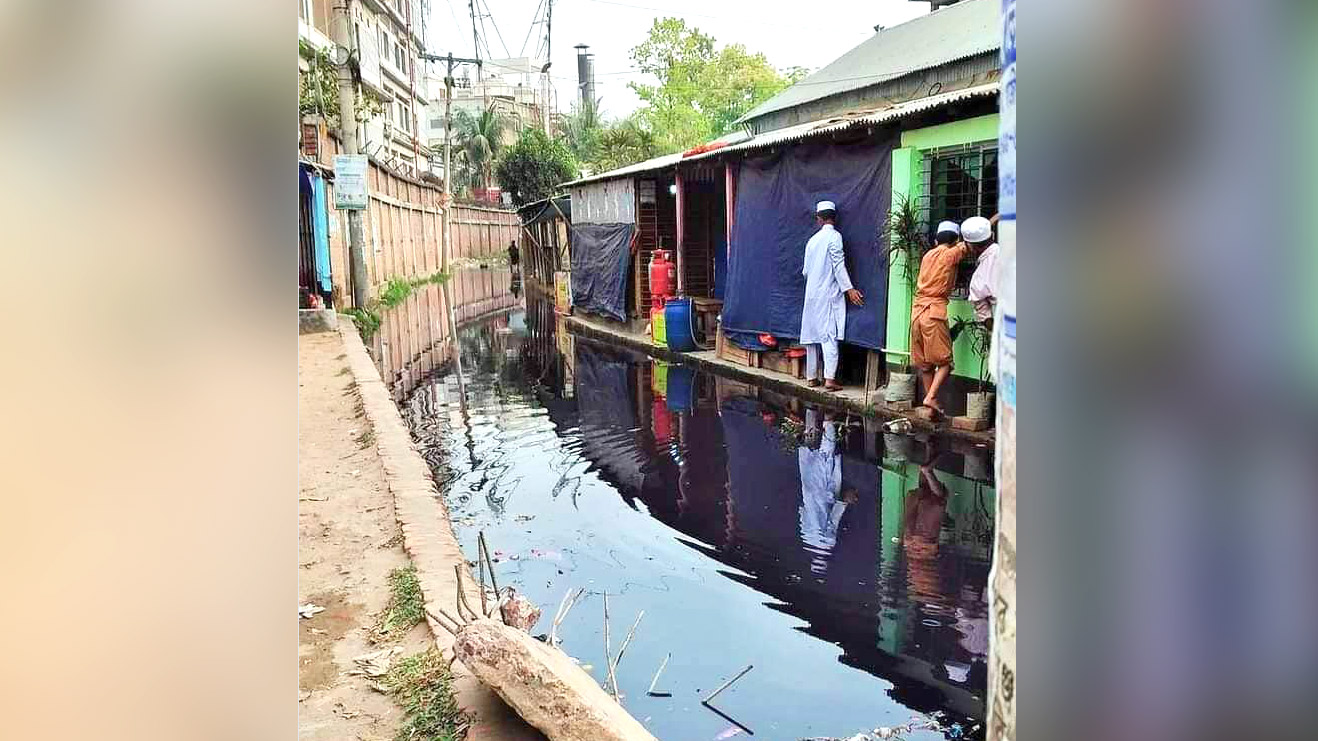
<point>702,90</point>
<point>318,91</point>
<point>480,138</point>
<point>581,130</point>
<point>530,169</point>
<point>624,143</point>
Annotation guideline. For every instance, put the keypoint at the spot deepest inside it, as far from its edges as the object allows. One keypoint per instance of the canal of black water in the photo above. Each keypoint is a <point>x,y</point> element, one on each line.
<point>751,531</point>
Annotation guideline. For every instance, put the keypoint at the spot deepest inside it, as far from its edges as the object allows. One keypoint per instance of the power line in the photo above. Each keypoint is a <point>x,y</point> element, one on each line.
<point>490,14</point>
<point>739,19</point>
<point>530,28</point>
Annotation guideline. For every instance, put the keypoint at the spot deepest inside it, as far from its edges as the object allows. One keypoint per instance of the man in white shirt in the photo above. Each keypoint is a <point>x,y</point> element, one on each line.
<point>984,281</point>
<point>824,314</point>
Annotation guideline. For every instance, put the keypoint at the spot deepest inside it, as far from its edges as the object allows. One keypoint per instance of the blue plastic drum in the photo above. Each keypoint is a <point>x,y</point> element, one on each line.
<point>677,325</point>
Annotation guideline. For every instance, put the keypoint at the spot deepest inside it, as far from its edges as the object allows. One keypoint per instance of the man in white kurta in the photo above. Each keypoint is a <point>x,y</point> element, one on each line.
<point>827,289</point>
<point>822,505</point>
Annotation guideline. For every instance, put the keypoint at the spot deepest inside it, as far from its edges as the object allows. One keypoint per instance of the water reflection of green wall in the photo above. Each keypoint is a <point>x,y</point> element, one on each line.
<point>970,506</point>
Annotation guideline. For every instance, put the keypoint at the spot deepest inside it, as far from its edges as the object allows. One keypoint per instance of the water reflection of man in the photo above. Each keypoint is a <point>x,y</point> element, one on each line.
<point>922,521</point>
<point>823,500</point>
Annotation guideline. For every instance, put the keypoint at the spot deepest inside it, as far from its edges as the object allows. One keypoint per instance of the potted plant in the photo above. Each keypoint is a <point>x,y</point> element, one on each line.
<point>979,404</point>
<point>907,237</point>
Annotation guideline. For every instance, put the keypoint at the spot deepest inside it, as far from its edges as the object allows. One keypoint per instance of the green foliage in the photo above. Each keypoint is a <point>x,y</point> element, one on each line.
<point>702,89</point>
<point>480,138</point>
<point>395,292</point>
<point>366,319</point>
<point>530,169</point>
<point>581,131</point>
<point>599,145</point>
<point>624,143</point>
<point>907,235</point>
<point>406,606</point>
<point>423,687</point>
<point>318,91</point>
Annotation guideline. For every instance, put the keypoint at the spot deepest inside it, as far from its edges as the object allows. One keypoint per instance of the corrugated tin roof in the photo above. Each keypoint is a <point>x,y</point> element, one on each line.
<point>946,35</point>
<point>856,119</point>
<point>807,130</point>
<point>657,163</point>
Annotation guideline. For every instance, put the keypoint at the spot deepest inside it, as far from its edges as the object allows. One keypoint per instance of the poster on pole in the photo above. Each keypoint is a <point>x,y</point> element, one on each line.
<point>350,182</point>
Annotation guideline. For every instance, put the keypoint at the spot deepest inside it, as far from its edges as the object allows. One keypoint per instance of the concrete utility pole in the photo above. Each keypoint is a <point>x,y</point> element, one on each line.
<point>343,39</point>
<point>449,61</point>
<point>549,61</point>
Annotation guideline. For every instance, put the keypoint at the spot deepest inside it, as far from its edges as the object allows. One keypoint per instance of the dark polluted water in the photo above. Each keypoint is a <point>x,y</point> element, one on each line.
<point>750,530</point>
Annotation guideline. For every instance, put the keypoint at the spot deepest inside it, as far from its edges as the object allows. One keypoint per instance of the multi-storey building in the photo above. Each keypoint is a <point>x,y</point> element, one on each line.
<point>513,87</point>
<point>388,36</point>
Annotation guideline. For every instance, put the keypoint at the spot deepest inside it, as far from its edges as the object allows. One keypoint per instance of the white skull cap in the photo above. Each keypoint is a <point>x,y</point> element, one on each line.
<point>825,206</point>
<point>947,226</point>
<point>976,229</point>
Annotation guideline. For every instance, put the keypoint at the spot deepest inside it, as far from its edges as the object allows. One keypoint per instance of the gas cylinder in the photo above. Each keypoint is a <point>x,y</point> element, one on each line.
<point>663,275</point>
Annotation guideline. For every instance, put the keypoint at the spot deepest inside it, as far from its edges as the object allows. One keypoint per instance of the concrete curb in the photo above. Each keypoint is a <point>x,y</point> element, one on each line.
<point>820,398</point>
<point>428,537</point>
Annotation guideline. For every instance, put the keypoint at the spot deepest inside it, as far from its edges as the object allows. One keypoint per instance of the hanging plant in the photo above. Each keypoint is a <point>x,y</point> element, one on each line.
<point>906,235</point>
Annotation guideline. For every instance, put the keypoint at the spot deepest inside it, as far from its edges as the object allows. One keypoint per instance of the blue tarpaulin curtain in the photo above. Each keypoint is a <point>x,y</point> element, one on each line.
<point>600,255</point>
<point>320,217</point>
<point>776,196</point>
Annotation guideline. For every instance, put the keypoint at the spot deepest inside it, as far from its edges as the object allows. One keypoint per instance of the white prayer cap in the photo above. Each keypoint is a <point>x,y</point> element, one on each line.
<point>976,229</point>
<point>947,226</point>
<point>825,206</point>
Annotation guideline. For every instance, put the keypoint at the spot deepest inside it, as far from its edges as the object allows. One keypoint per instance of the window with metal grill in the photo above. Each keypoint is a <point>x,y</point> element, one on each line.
<point>960,182</point>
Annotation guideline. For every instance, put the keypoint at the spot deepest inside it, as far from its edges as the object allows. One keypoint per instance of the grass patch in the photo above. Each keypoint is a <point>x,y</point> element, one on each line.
<point>406,606</point>
<point>423,687</point>
<point>395,292</point>
<point>367,321</point>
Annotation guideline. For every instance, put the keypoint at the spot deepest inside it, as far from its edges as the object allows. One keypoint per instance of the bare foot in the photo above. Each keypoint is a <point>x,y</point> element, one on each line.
<point>813,382</point>
<point>831,385</point>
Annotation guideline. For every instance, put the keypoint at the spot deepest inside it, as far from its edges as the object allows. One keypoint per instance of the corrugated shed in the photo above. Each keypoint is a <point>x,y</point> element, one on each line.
<point>656,163</point>
<point>854,120</point>
<point>945,35</point>
<point>607,202</point>
<point>821,127</point>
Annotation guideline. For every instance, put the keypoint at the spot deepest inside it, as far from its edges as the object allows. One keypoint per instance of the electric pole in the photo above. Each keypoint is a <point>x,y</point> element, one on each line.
<point>449,61</point>
<point>447,200</point>
<point>343,39</point>
<point>549,60</point>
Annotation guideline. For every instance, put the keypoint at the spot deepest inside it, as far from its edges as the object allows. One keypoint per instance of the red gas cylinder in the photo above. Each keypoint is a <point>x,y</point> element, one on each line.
<point>663,276</point>
<point>661,420</point>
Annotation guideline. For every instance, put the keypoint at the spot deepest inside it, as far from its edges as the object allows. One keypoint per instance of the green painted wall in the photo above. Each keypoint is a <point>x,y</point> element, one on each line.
<point>906,181</point>
<point>971,506</point>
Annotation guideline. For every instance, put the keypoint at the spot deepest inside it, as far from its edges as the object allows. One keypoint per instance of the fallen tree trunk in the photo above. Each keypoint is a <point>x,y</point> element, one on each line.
<point>544,686</point>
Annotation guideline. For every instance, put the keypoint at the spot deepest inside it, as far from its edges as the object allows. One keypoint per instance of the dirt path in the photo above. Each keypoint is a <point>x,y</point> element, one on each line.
<point>348,543</point>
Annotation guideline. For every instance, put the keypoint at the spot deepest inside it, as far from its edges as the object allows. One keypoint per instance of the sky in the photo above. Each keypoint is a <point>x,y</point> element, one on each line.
<point>789,33</point>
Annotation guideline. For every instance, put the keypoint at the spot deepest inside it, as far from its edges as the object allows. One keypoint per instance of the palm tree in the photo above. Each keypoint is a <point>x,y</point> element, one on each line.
<point>480,138</point>
<point>581,130</point>
<point>624,143</point>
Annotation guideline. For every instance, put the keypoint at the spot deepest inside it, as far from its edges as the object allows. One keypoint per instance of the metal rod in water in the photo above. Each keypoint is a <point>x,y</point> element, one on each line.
<point>484,549</point>
<point>480,570</point>
<point>727,684</point>
<point>608,663</point>
<point>626,641</point>
<point>462,594</point>
<point>651,692</point>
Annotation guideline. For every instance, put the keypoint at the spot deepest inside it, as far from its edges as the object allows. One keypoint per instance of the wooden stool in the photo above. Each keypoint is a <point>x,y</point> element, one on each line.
<point>706,311</point>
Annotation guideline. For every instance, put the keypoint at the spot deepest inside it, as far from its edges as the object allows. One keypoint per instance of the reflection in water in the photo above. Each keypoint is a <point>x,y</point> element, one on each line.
<point>751,531</point>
